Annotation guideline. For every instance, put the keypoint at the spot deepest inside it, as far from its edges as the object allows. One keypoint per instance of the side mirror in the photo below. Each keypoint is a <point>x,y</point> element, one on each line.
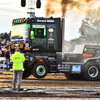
<point>23,3</point>
<point>32,34</point>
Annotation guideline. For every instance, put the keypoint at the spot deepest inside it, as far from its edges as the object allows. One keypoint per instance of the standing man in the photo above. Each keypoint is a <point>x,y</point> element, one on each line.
<point>17,59</point>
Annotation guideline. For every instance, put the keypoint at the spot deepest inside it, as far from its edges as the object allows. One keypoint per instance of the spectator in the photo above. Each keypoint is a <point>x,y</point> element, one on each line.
<point>73,46</point>
<point>0,53</point>
<point>3,51</point>
<point>3,43</point>
<point>0,43</point>
<point>7,44</point>
<point>7,56</point>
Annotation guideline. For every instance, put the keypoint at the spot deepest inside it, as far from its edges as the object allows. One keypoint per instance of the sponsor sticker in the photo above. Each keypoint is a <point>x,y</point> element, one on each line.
<point>88,49</point>
<point>87,55</point>
<point>76,68</point>
<point>50,30</point>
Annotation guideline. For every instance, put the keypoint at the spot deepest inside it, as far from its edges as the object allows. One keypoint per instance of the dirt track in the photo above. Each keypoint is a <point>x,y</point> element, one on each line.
<point>53,82</point>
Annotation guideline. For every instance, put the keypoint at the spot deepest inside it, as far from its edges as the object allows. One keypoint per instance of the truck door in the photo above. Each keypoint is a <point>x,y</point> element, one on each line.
<point>38,37</point>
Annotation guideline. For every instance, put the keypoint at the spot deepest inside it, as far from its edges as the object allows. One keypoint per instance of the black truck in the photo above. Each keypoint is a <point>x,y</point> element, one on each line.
<point>40,40</point>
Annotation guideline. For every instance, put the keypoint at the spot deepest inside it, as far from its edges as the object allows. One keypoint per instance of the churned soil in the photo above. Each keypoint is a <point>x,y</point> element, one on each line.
<point>52,81</point>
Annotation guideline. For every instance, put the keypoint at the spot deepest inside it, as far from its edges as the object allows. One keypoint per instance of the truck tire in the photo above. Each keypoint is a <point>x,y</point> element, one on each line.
<point>91,71</point>
<point>40,70</point>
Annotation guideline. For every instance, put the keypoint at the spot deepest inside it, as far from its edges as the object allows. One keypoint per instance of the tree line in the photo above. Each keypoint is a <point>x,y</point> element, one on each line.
<point>5,35</point>
<point>89,32</point>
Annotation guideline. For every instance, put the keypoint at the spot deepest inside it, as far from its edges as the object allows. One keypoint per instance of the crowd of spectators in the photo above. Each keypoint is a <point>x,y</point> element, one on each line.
<point>5,50</point>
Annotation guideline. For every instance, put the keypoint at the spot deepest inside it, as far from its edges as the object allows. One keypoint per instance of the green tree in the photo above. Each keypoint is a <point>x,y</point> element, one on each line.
<point>90,30</point>
<point>5,35</point>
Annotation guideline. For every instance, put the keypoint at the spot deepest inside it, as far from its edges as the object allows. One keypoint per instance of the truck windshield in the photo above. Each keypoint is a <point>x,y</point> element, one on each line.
<point>18,31</point>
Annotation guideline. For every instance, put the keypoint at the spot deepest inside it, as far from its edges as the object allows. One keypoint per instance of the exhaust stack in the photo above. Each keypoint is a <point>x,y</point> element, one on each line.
<point>63,35</point>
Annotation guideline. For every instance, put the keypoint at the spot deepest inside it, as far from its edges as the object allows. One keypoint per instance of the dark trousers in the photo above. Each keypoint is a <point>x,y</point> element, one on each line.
<point>17,73</point>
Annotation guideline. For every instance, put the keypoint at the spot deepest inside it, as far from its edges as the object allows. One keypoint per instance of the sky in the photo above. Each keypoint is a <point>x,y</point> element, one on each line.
<point>11,9</point>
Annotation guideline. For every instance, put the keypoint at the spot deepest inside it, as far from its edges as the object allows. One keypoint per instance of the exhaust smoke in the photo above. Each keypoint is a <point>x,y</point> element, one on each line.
<point>61,6</point>
<point>90,31</point>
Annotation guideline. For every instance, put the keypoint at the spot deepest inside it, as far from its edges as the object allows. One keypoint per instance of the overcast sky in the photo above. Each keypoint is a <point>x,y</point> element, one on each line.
<point>11,9</point>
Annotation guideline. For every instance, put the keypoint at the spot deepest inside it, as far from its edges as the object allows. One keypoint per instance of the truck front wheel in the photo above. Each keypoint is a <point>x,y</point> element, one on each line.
<point>92,71</point>
<point>40,70</point>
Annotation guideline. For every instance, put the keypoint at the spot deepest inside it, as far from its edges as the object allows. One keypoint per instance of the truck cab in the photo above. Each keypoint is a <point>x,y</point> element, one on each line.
<point>40,40</point>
